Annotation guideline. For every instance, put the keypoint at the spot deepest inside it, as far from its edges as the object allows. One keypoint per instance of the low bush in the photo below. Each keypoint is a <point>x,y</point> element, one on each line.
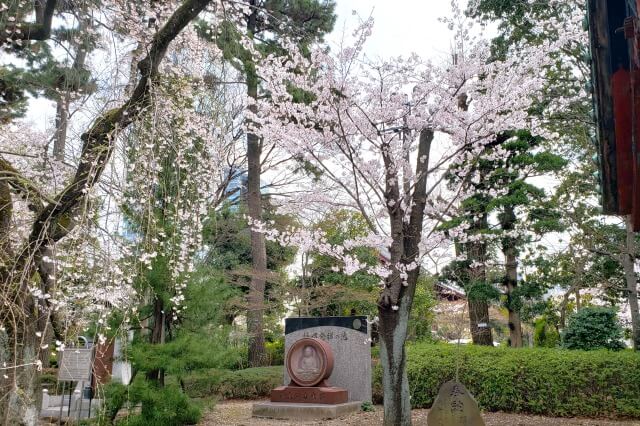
<point>115,395</point>
<point>544,381</point>
<point>275,351</point>
<point>245,384</point>
<point>593,327</point>
<point>160,406</point>
<point>187,352</point>
<point>49,380</point>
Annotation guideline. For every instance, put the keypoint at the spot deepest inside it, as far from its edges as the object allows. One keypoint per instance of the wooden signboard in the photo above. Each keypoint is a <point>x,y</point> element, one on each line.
<point>75,365</point>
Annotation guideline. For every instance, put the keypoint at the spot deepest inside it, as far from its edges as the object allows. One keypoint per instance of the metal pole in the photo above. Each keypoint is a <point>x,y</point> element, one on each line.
<point>61,402</point>
<point>81,395</point>
<point>70,393</point>
<point>90,399</point>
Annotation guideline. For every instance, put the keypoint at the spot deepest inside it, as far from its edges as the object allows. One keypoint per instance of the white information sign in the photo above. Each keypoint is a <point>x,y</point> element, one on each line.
<point>75,365</point>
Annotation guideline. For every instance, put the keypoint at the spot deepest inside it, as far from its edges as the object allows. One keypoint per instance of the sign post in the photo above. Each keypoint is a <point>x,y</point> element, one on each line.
<point>75,366</point>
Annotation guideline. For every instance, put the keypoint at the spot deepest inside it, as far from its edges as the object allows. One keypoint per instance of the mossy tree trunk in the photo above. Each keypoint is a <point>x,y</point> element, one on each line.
<point>255,298</point>
<point>477,301</point>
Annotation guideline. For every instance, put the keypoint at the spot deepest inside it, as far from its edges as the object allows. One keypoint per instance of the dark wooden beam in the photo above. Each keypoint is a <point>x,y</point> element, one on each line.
<point>601,77</point>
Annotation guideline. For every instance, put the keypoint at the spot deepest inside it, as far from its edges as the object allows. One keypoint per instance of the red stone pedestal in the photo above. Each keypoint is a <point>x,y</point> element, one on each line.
<point>313,395</point>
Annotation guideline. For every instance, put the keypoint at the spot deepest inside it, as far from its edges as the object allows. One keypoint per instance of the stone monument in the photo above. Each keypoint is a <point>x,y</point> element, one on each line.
<point>350,342</point>
<point>309,396</point>
<point>454,406</point>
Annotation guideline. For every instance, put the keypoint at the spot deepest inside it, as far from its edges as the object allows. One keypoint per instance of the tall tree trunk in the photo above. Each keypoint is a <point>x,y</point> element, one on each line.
<point>478,304</point>
<point>395,383</point>
<point>62,124</point>
<point>255,298</point>
<point>628,261</point>
<point>515,325</point>
<point>394,305</point>
<point>64,101</point>
<point>157,337</point>
<point>479,322</point>
<point>510,251</point>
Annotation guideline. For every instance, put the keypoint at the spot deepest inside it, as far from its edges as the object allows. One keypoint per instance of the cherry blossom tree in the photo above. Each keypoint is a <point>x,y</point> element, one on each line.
<point>55,242</point>
<point>379,138</point>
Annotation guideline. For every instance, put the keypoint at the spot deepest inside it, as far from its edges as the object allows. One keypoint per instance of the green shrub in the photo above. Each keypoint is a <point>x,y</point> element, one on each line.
<point>187,352</point>
<point>114,395</point>
<point>49,379</point>
<point>366,406</point>
<point>553,382</point>
<point>246,384</point>
<point>545,334</point>
<point>275,351</point>
<point>593,327</point>
<point>161,406</point>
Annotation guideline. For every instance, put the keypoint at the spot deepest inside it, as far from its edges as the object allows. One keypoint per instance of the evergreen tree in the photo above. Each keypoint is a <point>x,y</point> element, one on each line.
<point>502,189</point>
<point>40,72</point>
<point>228,251</point>
<point>593,328</point>
<point>579,189</point>
<point>268,23</point>
<point>524,212</point>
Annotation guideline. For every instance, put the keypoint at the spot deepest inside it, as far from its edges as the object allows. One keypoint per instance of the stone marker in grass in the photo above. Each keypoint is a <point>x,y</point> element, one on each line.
<point>454,406</point>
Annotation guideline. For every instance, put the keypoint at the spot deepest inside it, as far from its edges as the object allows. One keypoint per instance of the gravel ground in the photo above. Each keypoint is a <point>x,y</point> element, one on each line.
<point>238,413</point>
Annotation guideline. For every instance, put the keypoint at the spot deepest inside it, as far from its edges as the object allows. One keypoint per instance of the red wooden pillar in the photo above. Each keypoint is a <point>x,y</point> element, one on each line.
<point>632,34</point>
<point>623,111</point>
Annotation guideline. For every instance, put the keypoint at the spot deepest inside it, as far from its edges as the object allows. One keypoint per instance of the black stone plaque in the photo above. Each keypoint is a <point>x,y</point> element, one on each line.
<point>358,323</point>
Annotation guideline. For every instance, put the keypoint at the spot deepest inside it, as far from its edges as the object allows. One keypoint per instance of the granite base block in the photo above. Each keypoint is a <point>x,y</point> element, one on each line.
<point>311,395</point>
<point>303,411</point>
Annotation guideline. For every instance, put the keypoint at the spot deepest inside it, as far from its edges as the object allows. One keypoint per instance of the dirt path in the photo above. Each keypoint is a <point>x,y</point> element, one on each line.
<point>238,413</point>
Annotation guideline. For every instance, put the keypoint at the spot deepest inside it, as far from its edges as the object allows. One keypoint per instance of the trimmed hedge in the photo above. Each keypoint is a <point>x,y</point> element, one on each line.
<point>553,382</point>
<point>244,384</point>
<point>544,381</point>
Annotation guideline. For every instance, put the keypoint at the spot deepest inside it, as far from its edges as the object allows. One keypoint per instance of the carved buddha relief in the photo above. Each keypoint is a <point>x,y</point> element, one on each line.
<point>308,364</point>
<point>309,361</point>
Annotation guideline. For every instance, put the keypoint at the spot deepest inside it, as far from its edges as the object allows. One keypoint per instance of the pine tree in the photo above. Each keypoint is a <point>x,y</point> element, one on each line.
<point>228,251</point>
<point>268,22</point>
<point>40,73</point>
<point>522,212</point>
<point>525,212</point>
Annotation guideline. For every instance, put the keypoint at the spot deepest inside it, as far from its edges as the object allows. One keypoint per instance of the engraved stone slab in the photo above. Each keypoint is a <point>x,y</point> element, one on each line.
<point>454,406</point>
<point>75,365</point>
<point>315,395</point>
<point>349,338</point>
